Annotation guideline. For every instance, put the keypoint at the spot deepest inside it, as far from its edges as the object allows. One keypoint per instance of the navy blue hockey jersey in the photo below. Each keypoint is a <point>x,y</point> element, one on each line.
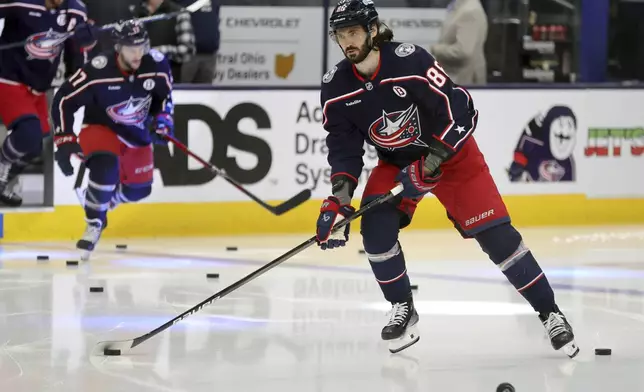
<point>407,104</point>
<point>115,99</point>
<point>27,17</point>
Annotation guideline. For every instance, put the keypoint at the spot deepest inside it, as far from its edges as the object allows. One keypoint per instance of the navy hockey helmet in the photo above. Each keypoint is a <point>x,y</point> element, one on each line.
<point>130,33</point>
<point>351,13</point>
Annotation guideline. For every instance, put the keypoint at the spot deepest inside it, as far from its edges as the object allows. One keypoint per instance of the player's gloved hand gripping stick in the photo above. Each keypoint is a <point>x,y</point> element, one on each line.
<point>120,347</point>
<point>55,41</point>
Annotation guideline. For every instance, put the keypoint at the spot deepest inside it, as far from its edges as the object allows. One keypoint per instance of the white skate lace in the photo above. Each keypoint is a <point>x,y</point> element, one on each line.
<point>398,313</point>
<point>555,325</point>
<point>92,232</point>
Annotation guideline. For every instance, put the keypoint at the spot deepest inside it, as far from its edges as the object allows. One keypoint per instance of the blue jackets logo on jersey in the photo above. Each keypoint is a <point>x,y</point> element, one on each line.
<point>134,111</point>
<point>45,45</point>
<point>397,129</point>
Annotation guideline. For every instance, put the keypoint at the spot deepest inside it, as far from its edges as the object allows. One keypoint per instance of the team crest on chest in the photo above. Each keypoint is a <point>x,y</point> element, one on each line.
<point>131,112</point>
<point>397,129</point>
<point>45,45</point>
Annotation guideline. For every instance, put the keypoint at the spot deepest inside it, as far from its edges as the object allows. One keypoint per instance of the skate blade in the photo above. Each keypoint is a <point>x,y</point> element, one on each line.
<point>571,349</point>
<point>410,338</point>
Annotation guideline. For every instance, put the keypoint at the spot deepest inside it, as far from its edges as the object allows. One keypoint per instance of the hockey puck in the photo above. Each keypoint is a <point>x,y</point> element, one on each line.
<point>121,246</point>
<point>42,257</point>
<point>72,263</point>
<point>231,248</point>
<point>414,287</point>
<point>95,289</point>
<point>603,351</point>
<point>505,387</point>
<point>111,352</point>
<point>212,276</point>
<point>362,252</point>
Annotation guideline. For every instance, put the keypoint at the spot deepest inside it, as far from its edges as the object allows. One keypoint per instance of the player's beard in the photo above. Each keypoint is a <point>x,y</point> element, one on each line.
<point>53,3</point>
<point>132,66</point>
<point>362,52</point>
<point>127,65</point>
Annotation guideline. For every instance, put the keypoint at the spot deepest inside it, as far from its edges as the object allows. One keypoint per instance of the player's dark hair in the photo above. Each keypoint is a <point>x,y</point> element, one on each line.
<point>385,34</point>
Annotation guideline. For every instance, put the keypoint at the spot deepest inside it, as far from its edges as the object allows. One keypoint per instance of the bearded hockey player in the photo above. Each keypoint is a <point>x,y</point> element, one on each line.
<point>26,73</point>
<point>128,106</point>
<point>396,97</point>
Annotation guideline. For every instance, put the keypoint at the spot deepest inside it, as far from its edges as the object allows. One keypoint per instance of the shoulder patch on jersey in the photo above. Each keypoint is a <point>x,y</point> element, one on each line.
<point>156,55</point>
<point>99,62</point>
<point>404,50</point>
<point>329,75</point>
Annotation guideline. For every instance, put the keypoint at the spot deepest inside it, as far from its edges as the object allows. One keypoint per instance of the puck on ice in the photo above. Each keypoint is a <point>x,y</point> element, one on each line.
<point>231,248</point>
<point>111,352</point>
<point>71,263</point>
<point>414,287</point>
<point>212,276</point>
<point>603,351</point>
<point>361,252</point>
<point>505,387</point>
<point>121,246</point>
<point>95,289</point>
<point>42,257</point>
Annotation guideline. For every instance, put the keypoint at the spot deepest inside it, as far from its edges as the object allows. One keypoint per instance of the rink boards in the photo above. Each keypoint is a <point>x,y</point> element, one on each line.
<point>590,140</point>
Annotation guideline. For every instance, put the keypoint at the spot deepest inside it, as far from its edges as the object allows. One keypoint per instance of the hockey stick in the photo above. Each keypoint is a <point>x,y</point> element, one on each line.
<point>277,210</point>
<point>118,347</point>
<point>77,184</point>
<point>196,6</point>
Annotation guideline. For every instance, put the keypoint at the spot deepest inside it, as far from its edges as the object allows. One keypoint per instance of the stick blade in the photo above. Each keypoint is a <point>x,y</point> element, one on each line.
<point>123,345</point>
<point>292,202</point>
<point>196,6</point>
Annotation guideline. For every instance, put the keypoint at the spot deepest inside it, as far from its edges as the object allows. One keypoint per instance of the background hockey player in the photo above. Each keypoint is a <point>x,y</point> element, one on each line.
<point>397,98</point>
<point>544,152</point>
<point>124,97</point>
<point>26,73</point>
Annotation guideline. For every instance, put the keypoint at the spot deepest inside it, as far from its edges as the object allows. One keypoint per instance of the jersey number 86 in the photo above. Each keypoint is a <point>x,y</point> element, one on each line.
<point>437,74</point>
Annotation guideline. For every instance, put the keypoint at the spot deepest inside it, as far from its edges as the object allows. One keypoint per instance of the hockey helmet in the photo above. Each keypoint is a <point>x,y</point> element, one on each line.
<point>351,13</point>
<point>130,33</point>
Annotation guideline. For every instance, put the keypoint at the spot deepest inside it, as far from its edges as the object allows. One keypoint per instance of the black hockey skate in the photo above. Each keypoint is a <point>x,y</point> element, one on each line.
<point>560,332</point>
<point>401,331</point>
<point>7,195</point>
<point>92,234</point>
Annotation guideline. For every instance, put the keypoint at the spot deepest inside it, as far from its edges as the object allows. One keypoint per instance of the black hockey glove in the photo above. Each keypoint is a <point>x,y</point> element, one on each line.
<point>86,35</point>
<point>416,183</point>
<point>421,176</point>
<point>66,146</point>
<point>331,213</point>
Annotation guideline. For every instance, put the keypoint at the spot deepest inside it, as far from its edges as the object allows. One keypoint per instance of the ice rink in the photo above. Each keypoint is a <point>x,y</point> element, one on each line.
<point>313,323</point>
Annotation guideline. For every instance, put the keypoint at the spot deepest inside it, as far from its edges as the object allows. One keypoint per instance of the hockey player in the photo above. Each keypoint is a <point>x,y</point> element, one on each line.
<point>125,96</point>
<point>396,97</point>
<point>26,73</point>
